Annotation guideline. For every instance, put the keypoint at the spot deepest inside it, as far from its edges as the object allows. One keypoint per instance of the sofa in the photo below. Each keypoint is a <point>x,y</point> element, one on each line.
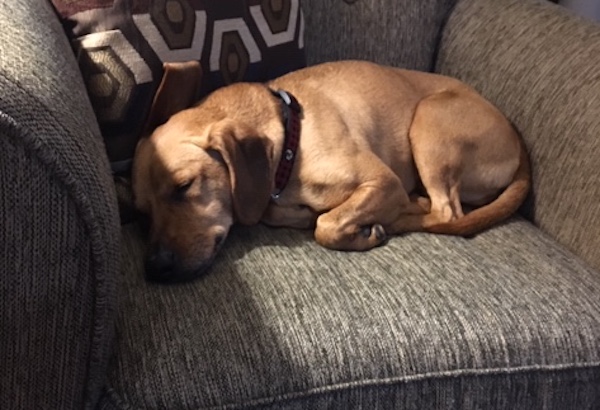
<point>508,319</point>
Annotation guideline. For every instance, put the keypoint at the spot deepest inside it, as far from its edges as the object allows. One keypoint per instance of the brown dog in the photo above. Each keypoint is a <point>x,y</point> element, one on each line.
<point>343,159</point>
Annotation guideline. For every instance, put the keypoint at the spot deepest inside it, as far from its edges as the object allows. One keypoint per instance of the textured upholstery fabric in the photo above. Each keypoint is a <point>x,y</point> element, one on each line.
<point>121,47</point>
<point>59,235</point>
<point>507,320</point>
<point>541,66</point>
<point>399,33</point>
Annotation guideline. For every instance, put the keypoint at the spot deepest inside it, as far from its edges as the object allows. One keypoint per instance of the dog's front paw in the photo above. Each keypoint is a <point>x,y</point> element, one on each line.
<point>330,234</point>
<point>375,234</point>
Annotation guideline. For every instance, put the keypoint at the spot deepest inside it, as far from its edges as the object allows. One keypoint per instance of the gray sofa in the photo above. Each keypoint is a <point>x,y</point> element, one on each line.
<point>509,319</point>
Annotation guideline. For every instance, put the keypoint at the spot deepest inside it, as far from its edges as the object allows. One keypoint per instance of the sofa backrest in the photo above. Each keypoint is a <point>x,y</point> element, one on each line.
<point>354,29</point>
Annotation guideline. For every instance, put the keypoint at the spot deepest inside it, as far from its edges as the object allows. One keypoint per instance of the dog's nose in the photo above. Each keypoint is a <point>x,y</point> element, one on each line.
<point>219,241</point>
<point>160,263</point>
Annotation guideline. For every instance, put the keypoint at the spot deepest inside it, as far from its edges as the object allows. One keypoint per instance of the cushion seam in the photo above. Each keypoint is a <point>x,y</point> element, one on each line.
<point>115,399</point>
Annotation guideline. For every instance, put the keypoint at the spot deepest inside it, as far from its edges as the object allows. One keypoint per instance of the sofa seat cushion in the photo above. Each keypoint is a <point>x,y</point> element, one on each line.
<point>505,320</point>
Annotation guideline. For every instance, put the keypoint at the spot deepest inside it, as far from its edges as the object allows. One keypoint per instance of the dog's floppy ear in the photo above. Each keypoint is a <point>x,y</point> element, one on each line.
<point>178,90</point>
<point>249,160</point>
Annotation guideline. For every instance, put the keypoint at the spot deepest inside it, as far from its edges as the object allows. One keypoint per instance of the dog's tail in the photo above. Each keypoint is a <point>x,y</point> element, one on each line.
<point>496,211</point>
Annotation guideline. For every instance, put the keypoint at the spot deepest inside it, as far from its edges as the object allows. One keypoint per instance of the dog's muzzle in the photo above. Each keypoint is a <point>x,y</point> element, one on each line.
<point>164,265</point>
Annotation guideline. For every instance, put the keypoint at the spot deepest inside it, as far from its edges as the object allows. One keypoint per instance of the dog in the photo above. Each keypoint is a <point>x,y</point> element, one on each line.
<point>354,150</point>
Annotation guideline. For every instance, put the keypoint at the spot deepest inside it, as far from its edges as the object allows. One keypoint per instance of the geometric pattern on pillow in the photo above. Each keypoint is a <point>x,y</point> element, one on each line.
<point>276,28</point>
<point>111,69</point>
<point>171,46</point>
<point>121,46</point>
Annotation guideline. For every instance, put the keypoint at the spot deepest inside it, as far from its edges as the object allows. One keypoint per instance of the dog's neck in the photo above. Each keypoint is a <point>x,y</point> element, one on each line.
<point>291,112</point>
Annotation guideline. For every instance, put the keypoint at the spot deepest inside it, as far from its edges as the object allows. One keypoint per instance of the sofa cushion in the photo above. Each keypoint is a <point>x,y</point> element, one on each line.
<point>399,33</point>
<point>121,46</point>
<point>505,320</point>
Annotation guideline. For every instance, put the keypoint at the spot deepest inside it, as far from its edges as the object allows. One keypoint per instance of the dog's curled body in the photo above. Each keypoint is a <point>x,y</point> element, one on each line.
<point>381,151</point>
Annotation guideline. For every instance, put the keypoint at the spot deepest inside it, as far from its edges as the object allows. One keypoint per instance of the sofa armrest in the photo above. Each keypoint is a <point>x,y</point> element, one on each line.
<point>541,66</point>
<point>60,233</point>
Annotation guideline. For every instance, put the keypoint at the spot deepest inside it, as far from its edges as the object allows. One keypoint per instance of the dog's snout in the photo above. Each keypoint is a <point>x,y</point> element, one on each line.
<point>166,266</point>
<point>160,263</point>
<point>219,240</point>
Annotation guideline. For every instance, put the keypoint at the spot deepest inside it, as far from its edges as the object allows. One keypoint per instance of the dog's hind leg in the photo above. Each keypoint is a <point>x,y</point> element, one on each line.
<point>438,155</point>
<point>423,204</point>
<point>443,206</point>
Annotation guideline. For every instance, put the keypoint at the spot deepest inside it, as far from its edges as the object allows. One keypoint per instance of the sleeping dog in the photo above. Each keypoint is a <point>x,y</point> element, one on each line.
<point>354,150</point>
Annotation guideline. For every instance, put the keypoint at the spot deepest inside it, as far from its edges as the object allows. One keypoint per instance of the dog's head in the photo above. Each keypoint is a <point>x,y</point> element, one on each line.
<point>195,176</point>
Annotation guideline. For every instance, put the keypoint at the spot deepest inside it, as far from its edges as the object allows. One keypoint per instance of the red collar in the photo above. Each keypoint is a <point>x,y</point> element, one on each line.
<point>291,118</point>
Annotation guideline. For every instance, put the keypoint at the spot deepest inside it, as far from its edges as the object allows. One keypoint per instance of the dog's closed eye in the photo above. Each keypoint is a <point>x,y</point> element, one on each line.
<point>181,189</point>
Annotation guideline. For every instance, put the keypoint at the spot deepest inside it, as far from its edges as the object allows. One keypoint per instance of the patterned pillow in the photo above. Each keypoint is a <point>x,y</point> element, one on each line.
<point>121,46</point>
